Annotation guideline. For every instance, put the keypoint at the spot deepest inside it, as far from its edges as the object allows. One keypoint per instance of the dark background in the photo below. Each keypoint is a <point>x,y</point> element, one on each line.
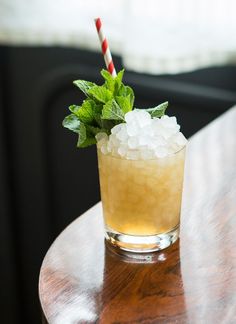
<point>45,182</point>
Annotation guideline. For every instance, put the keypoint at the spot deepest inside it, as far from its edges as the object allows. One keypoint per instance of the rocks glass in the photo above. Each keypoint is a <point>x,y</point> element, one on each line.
<point>141,200</point>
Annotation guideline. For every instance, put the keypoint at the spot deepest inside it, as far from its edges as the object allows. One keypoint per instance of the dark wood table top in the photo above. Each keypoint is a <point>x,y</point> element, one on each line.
<point>83,280</point>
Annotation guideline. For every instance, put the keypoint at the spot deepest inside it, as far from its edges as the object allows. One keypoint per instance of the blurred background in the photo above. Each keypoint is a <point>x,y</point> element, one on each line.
<point>183,51</point>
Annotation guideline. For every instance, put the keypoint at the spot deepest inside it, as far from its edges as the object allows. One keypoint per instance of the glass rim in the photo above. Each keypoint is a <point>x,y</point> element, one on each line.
<point>141,160</point>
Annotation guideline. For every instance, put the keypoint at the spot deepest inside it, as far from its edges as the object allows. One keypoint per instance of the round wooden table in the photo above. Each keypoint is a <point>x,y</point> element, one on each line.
<point>84,280</point>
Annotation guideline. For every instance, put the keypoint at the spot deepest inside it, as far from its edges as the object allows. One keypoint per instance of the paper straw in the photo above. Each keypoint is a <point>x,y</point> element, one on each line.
<point>105,48</point>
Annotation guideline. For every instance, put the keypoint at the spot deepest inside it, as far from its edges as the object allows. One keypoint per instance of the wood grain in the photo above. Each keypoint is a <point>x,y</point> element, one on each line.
<point>84,280</point>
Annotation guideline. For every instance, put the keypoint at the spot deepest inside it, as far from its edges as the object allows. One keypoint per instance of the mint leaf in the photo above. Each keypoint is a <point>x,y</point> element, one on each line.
<point>106,75</point>
<point>130,92</point>
<point>86,112</point>
<point>119,78</point>
<point>92,130</point>
<point>72,122</point>
<point>159,110</point>
<point>85,138</point>
<point>87,135</point>
<point>118,81</point>
<point>82,135</point>
<point>74,109</point>
<point>109,80</point>
<point>113,84</point>
<point>124,103</point>
<point>108,124</point>
<point>100,93</point>
<point>89,112</point>
<point>112,111</point>
<point>125,91</point>
<point>84,85</point>
<point>89,141</point>
<point>98,119</point>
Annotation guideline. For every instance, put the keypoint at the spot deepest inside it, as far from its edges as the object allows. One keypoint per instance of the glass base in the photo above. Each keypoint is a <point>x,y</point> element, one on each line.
<point>142,244</point>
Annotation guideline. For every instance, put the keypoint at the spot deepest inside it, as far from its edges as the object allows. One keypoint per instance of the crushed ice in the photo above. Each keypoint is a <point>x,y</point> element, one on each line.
<point>142,137</point>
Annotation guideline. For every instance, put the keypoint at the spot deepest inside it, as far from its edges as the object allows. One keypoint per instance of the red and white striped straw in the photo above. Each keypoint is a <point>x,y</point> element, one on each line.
<point>105,48</point>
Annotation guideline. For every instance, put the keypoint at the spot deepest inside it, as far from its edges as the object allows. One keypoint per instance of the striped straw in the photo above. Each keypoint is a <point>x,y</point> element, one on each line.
<point>105,48</point>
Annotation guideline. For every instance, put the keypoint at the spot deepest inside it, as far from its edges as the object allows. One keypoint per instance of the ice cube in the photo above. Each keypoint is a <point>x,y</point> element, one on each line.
<point>157,141</point>
<point>116,129</point>
<point>148,129</point>
<point>165,133</point>
<point>138,116</point>
<point>170,123</point>
<point>143,118</point>
<point>115,152</point>
<point>101,142</point>
<point>144,139</point>
<point>147,154</point>
<point>133,142</point>
<point>109,146</point>
<point>101,136</point>
<point>175,129</point>
<point>160,140</point>
<point>161,151</point>
<point>122,134</point>
<point>156,122</point>
<point>122,150</point>
<point>180,139</point>
<point>133,129</point>
<point>157,126</point>
<point>129,116</point>
<point>104,149</point>
<point>113,140</point>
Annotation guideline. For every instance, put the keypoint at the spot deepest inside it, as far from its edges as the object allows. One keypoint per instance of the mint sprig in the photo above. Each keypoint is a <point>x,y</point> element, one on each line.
<point>104,107</point>
<point>159,110</point>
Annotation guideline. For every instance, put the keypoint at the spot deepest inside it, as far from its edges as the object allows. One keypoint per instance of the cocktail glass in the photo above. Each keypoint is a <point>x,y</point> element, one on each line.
<point>141,200</point>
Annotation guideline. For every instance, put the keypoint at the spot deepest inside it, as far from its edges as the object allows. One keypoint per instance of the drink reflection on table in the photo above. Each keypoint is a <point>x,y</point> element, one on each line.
<point>134,283</point>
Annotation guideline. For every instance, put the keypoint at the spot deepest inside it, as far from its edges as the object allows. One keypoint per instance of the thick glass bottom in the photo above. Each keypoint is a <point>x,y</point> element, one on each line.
<point>142,244</point>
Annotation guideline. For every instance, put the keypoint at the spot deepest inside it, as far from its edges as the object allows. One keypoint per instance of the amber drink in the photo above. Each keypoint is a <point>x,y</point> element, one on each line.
<point>141,200</point>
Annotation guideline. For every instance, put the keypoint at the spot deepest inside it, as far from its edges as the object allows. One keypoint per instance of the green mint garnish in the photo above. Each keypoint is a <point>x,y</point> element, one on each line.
<point>104,107</point>
<point>100,94</point>
<point>112,111</point>
<point>72,122</point>
<point>159,110</point>
<point>84,85</point>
